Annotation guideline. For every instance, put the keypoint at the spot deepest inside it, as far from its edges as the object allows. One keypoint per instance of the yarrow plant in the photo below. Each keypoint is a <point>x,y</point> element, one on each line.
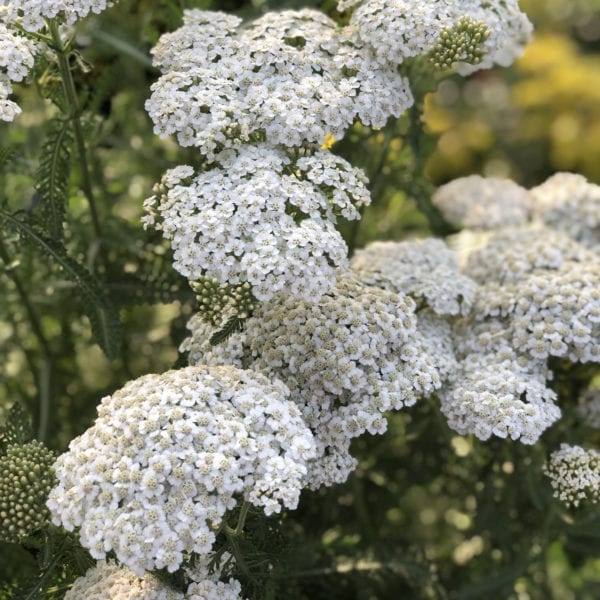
<point>299,345</point>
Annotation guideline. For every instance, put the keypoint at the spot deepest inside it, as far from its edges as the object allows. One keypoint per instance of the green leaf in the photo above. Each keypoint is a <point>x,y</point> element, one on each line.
<point>234,325</point>
<point>52,177</point>
<point>7,155</point>
<point>103,315</point>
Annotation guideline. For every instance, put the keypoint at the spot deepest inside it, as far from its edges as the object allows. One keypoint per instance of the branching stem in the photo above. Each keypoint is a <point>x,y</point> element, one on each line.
<point>63,53</point>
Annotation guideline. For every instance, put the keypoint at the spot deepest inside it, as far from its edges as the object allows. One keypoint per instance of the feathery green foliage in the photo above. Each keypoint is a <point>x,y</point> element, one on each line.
<point>103,315</point>
<point>52,177</point>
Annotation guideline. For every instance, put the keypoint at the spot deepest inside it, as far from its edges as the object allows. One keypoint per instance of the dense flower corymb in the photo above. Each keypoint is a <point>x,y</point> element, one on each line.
<point>31,14</point>
<point>400,29</point>
<point>426,270</point>
<point>287,78</point>
<point>170,454</point>
<point>347,359</point>
<point>258,215</point>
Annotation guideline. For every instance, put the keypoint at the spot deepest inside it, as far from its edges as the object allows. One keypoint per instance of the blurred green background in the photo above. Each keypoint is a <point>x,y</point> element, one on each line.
<point>428,514</point>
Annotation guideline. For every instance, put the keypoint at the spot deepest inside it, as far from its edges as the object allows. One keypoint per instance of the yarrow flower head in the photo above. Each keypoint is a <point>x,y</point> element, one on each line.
<point>574,473</point>
<point>287,78</point>
<point>570,203</point>
<point>427,270</point>
<point>347,359</point>
<point>170,454</point>
<point>483,202</point>
<point>31,14</point>
<point>110,581</point>
<point>484,32</point>
<point>26,478</point>
<point>258,216</point>
<point>499,394</point>
<point>513,254</point>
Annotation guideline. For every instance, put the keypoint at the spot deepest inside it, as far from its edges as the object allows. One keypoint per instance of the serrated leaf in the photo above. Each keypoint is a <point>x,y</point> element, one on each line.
<point>17,429</point>
<point>234,325</point>
<point>103,315</point>
<point>7,155</point>
<point>52,177</point>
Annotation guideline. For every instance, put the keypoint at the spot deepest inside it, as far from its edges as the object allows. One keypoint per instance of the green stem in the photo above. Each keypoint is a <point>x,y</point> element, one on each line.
<point>232,535</point>
<point>62,53</point>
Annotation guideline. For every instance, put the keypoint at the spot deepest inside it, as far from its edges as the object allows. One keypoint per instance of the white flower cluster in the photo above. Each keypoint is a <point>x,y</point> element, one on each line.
<point>538,296</point>
<point>17,55</point>
<point>551,312</point>
<point>589,410</point>
<point>31,14</point>
<point>348,359</point>
<point>479,202</point>
<point>289,77</point>
<point>170,454</point>
<point>570,203</point>
<point>574,473</point>
<point>515,253</point>
<point>110,581</point>
<point>498,394</point>
<point>399,29</point>
<point>427,270</point>
<point>256,215</point>
<point>206,585</point>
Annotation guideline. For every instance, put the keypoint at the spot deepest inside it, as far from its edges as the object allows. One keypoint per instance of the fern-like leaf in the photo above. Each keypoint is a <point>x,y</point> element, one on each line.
<point>234,325</point>
<point>103,315</point>
<point>7,155</point>
<point>52,178</point>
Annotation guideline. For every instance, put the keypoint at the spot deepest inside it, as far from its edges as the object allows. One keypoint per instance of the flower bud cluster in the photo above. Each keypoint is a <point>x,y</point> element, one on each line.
<point>574,473</point>
<point>218,303</point>
<point>460,43</point>
<point>170,454</point>
<point>474,33</point>
<point>26,478</point>
<point>257,216</point>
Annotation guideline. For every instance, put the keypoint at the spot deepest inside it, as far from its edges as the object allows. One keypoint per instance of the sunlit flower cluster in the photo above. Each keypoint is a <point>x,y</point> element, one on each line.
<point>478,202</point>
<point>574,473</point>
<point>170,454</point>
<point>288,78</point>
<point>256,215</point>
<point>427,270</point>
